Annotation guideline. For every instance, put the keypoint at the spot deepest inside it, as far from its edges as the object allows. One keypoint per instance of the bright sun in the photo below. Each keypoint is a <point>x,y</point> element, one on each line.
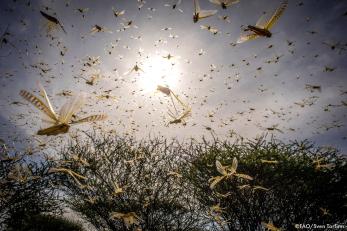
<point>158,71</point>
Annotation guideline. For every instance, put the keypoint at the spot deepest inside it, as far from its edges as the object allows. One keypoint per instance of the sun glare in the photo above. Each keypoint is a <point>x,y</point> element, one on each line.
<point>159,71</point>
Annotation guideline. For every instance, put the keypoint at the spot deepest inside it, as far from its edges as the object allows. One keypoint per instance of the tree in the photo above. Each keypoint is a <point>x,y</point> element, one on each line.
<point>291,184</point>
<point>119,184</point>
<point>42,222</point>
<point>25,189</point>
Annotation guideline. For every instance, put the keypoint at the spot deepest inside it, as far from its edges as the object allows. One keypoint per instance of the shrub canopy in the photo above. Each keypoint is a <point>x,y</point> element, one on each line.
<point>118,183</point>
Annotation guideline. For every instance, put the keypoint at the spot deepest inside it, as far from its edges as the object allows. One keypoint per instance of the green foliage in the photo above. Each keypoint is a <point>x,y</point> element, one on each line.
<point>117,183</point>
<point>24,189</point>
<point>48,222</point>
<point>146,175</point>
<point>299,190</point>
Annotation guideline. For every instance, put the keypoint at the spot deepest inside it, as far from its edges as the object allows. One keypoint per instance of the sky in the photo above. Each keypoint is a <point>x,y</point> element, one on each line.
<point>254,88</point>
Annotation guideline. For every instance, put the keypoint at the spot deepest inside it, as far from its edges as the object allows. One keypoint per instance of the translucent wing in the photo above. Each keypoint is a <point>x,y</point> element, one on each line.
<point>70,108</point>
<point>128,72</point>
<point>45,96</point>
<point>214,31</point>
<point>135,68</point>
<point>186,113</point>
<point>73,174</point>
<point>91,118</point>
<point>48,120</point>
<point>196,7</point>
<point>207,13</point>
<point>260,188</point>
<point>140,69</point>
<point>37,103</point>
<point>247,37</point>
<point>94,30</point>
<point>261,21</point>
<point>234,165</point>
<point>218,2</point>
<point>244,186</point>
<point>230,2</point>
<point>178,99</point>
<point>244,176</point>
<point>276,15</point>
<point>171,114</point>
<point>220,168</point>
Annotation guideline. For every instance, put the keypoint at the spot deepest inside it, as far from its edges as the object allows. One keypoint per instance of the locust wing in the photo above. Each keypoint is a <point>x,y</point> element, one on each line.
<point>128,72</point>
<point>70,108</point>
<point>224,2</point>
<point>244,176</point>
<point>178,99</point>
<point>246,37</point>
<point>230,2</point>
<point>276,15</point>
<point>171,114</point>
<point>206,13</point>
<point>234,166</point>
<point>262,21</point>
<point>186,113</point>
<point>44,95</point>
<point>38,104</point>
<point>218,2</point>
<point>221,168</point>
<point>196,7</point>
<point>91,118</point>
